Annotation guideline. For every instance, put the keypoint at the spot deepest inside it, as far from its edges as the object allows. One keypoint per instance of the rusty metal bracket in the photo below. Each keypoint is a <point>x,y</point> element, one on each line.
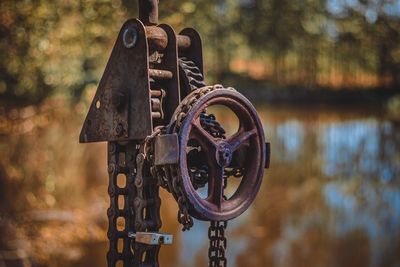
<point>170,63</point>
<point>190,51</point>
<point>267,155</point>
<point>121,108</point>
<point>193,52</point>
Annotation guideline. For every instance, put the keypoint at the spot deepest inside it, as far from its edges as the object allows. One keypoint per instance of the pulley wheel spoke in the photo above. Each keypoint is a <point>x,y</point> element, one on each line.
<point>240,137</point>
<point>216,186</point>
<point>202,136</point>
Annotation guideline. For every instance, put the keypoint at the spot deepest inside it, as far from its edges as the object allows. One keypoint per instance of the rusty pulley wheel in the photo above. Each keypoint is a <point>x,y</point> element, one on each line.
<point>220,153</point>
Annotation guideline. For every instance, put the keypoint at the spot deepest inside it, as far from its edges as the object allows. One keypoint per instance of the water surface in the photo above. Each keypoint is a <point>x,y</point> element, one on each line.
<point>330,198</point>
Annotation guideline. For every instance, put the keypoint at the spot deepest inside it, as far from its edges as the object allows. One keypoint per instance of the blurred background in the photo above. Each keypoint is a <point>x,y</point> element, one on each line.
<point>325,78</point>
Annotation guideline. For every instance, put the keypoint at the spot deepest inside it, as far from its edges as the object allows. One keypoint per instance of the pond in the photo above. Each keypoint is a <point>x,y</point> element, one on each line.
<point>330,198</point>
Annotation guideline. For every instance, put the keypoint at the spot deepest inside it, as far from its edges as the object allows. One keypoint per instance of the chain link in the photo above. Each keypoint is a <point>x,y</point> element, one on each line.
<point>218,244</point>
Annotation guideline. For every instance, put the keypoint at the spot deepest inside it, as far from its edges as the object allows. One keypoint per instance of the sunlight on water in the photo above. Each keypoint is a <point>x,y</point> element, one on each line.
<point>290,134</point>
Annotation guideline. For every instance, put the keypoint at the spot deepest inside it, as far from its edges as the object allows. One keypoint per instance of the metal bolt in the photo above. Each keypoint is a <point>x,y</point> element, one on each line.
<point>119,100</point>
<point>224,155</point>
<point>130,37</point>
<point>119,130</point>
<point>130,157</point>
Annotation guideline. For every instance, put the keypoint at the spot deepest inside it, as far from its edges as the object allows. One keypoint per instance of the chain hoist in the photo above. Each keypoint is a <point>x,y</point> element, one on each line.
<point>151,106</point>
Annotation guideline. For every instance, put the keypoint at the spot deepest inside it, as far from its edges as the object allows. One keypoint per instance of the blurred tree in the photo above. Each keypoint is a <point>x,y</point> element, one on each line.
<point>24,27</point>
<point>388,51</point>
<point>49,46</point>
<point>368,39</point>
<point>62,46</point>
<point>270,26</point>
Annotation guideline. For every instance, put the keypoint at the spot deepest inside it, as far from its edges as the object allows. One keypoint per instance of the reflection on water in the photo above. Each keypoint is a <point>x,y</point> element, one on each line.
<point>331,198</point>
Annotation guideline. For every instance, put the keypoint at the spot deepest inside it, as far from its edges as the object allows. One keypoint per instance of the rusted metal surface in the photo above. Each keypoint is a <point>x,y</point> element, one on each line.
<point>151,238</point>
<point>157,38</point>
<point>267,155</point>
<point>195,53</point>
<point>122,94</point>
<point>129,179</point>
<point>155,139</point>
<point>218,244</point>
<point>121,163</point>
<point>148,12</point>
<point>184,42</point>
<point>190,61</point>
<point>191,77</point>
<point>166,149</point>
<point>219,153</point>
<point>170,63</point>
<point>160,74</point>
<point>242,155</point>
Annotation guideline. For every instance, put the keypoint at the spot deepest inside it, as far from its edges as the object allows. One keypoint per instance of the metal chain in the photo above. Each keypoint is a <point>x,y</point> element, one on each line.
<point>216,235</point>
<point>218,244</point>
<point>139,210</point>
<point>120,164</point>
<point>216,232</point>
<point>168,175</point>
<point>147,211</point>
<point>183,108</point>
<point>169,178</point>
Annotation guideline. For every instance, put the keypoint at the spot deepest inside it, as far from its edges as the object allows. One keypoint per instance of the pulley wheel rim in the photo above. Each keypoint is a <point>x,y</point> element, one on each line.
<point>245,194</point>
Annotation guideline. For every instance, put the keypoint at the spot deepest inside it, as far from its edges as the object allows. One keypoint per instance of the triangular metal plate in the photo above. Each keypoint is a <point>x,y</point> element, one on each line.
<point>121,107</point>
